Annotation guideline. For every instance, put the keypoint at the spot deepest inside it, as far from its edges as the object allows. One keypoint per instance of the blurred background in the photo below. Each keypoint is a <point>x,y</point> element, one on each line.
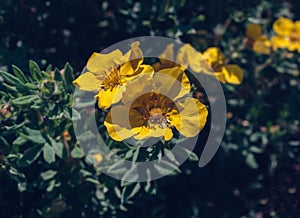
<point>256,172</point>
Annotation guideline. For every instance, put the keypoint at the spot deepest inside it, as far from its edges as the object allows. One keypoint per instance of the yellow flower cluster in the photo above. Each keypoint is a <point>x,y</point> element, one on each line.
<point>151,101</point>
<point>287,36</point>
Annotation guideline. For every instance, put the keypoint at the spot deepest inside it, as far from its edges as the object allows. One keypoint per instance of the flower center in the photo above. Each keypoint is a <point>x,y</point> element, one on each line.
<point>154,110</point>
<point>112,80</point>
<point>157,119</point>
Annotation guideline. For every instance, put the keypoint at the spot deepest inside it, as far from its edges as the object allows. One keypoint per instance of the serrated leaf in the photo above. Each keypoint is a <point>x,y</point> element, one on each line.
<point>30,155</point>
<point>48,153</point>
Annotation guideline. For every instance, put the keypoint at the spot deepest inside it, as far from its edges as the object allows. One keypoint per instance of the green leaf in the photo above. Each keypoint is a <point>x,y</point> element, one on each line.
<point>15,174</point>
<point>49,174</point>
<point>250,160</point>
<point>166,167</point>
<point>256,149</point>
<point>59,149</point>
<point>18,72</point>
<point>131,174</point>
<point>69,77</point>
<point>77,152</point>
<point>86,136</point>
<point>12,80</point>
<point>30,155</point>
<point>49,155</point>
<point>19,141</point>
<point>57,75</point>
<point>129,192</point>
<point>25,100</point>
<point>35,70</point>
<point>118,167</point>
<point>34,136</point>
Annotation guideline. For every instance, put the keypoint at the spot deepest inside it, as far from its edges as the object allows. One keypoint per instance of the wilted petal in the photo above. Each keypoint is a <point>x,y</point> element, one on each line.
<point>253,31</point>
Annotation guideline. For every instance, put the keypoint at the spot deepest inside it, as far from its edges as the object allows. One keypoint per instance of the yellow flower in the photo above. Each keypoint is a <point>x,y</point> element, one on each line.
<point>165,59</point>
<point>188,57</point>
<point>164,105</point>
<point>287,34</point>
<point>259,43</point>
<point>212,58</point>
<point>226,73</point>
<point>108,73</point>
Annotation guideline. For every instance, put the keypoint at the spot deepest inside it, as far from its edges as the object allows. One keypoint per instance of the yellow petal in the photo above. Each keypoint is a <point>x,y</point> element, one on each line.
<point>283,26</point>
<point>220,76</point>
<point>191,117</point>
<point>280,42</point>
<point>132,59</point>
<point>166,58</point>
<point>253,31</point>
<point>172,82</point>
<point>168,134</point>
<point>118,126</point>
<point>108,97</point>
<point>88,82</point>
<point>294,46</point>
<point>262,47</point>
<point>140,84</point>
<point>188,57</point>
<point>214,56</point>
<point>297,27</point>
<point>147,133</point>
<point>233,74</point>
<point>143,68</point>
<point>99,63</point>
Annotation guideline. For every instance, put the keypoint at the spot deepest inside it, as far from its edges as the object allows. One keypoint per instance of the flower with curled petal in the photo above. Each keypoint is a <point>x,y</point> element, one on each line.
<point>159,105</point>
<point>287,34</point>
<point>108,74</point>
